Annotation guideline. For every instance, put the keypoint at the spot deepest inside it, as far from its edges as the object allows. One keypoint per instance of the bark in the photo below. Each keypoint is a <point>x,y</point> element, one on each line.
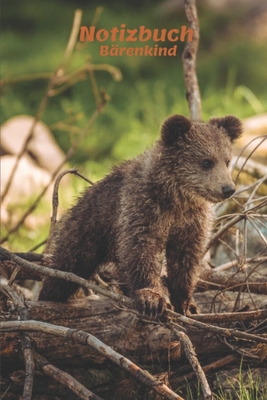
<point>189,62</point>
<point>144,343</point>
<point>151,345</point>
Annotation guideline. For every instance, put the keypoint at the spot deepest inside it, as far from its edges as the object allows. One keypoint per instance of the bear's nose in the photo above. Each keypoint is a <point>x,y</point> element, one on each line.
<point>228,191</point>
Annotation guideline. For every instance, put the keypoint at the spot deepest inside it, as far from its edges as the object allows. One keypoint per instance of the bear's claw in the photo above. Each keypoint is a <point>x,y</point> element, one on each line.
<point>150,303</point>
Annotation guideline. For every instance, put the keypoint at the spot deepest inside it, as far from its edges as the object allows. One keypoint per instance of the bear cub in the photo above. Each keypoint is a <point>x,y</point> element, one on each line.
<point>151,211</point>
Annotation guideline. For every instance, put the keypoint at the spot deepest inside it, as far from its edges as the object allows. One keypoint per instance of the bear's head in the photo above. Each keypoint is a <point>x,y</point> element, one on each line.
<point>198,155</point>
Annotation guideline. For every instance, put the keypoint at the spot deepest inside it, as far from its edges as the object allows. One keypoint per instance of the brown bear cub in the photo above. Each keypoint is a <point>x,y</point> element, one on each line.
<point>150,211</point>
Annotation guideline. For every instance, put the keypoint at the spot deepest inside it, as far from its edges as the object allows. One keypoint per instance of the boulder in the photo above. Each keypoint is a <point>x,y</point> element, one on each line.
<point>42,148</point>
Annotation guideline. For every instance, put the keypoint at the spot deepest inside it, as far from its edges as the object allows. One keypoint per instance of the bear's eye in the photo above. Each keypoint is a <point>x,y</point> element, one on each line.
<point>227,163</point>
<point>208,164</point>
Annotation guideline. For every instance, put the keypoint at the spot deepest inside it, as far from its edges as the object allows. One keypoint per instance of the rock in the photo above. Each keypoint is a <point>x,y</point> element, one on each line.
<point>255,128</point>
<point>257,125</point>
<point>41,159</point>
<point>27,177</point>
<point>27,181</point>
<point>42,148</point>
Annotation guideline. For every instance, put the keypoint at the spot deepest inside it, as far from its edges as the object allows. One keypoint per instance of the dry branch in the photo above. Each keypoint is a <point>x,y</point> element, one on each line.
<point>230,317</point>
<point>64,378</point>
<point>62,275</point>
<point>143,342</point>
<point>84,338</point>
<point>251,167</point>
<point>192,357</point>
<point>221,280</point>
<point>222,362</point>
<point>53,80</point>
<point>69,154</point>
<point>26,346</point>
<point>189,62</point>
<point>56,79</point>
<point>126,301</point>
<point>55,203</point>
<point>216,329</point>
<point>29,367</point>
<point>66,80</point>
<point>10,268</point>
<point>235,263</point>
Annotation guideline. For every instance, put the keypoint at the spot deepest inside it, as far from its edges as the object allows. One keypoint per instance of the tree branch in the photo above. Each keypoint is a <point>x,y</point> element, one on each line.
<point>189,62</point>
<point>64,378</point>
<point>68,156</point>
<point>216,329</point>
<point>55,203</point>
<point>192,358</point>
<point>84,338</point>
<point>53,80</point>
<point>63,275</point>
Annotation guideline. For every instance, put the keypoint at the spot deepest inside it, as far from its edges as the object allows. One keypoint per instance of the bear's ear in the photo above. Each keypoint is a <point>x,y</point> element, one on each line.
<point>173,127</point>
<point>231,124</point>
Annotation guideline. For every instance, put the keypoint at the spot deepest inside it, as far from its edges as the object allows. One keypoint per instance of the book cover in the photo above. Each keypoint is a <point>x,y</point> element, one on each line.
<point>86,87</point>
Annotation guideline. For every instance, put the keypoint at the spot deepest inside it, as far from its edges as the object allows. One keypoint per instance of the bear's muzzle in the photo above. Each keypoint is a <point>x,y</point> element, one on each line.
<point>228,191</point>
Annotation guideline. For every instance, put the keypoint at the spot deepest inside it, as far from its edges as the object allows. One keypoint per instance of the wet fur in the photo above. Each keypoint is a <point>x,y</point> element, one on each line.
<point>157,206</point>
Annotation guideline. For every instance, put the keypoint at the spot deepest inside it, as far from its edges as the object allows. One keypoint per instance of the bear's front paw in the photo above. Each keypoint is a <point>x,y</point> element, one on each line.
<point>150,303</point>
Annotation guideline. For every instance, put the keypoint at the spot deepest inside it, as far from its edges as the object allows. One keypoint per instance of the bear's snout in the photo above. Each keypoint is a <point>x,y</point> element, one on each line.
<point>228,191</point>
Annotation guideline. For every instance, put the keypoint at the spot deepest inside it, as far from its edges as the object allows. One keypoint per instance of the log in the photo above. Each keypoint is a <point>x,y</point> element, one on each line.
<point>52,329</point>
<point>152,345</point>
<point>145,343</point>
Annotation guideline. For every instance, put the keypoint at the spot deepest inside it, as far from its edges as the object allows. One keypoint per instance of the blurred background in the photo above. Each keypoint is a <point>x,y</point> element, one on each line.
<point>231,68</point>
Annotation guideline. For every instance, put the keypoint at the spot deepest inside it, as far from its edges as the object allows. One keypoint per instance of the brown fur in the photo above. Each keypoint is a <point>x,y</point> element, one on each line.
<point>157,206</point>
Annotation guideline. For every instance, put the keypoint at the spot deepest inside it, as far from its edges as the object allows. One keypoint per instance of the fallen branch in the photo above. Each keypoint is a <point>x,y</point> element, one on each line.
<point>238,282</point>
<point>125,300</point>
<point>149,344</point>
<point>216,329</point>
<point>192,358</point>
<point>84,338</point>
<point>64,378</point>
<point>26,346</point>
<point>63,275</point>
<point>222,362</point>
<point>29,367</point>
<point>230,317</point>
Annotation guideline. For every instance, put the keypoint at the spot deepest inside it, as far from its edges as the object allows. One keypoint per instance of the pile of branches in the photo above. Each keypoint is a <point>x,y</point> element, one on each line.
<point>104,328</point>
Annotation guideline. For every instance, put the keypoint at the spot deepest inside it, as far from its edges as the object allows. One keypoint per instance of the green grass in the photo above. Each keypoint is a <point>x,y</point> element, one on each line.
<point>246,385</point>
<point>231,73</point>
